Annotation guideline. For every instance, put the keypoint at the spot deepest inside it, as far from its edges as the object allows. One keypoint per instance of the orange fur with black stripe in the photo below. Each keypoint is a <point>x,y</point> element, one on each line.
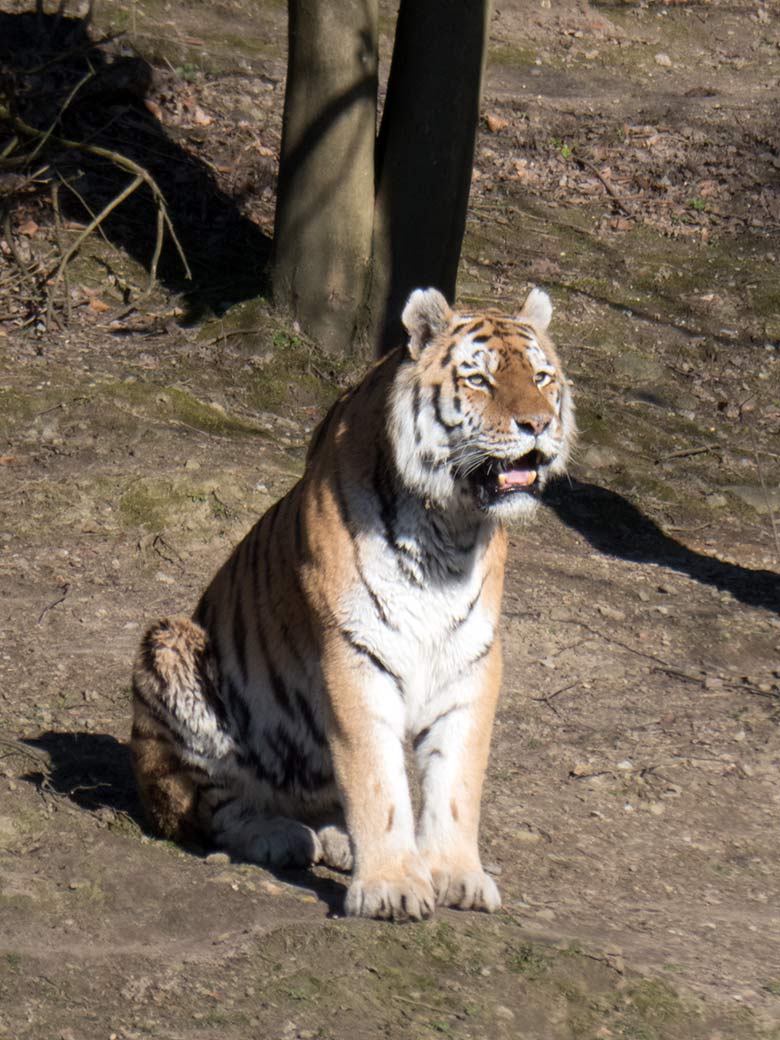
<point>362,609</point>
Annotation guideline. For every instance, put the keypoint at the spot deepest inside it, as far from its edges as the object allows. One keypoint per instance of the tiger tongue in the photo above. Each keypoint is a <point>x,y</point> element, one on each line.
<point>516,478</point>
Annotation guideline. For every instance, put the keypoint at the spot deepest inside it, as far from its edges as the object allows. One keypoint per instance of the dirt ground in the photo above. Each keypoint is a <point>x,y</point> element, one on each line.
<point>629,162</point>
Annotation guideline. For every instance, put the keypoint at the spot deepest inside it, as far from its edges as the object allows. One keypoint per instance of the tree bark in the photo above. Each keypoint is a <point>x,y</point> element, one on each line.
<point>325,194</point>
<point>425,154</point>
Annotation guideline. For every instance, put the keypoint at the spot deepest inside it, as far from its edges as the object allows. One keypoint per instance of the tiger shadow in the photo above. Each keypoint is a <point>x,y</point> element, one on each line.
<point>94,772</point>
<point>614,526</point>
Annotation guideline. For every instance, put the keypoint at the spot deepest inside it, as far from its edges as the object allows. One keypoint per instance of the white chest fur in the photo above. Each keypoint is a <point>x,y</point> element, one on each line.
<point>419,612</point>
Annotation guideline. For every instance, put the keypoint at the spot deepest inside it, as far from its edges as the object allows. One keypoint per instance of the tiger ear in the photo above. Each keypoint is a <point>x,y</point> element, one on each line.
<point>537,309</point>
<point>425,316</point>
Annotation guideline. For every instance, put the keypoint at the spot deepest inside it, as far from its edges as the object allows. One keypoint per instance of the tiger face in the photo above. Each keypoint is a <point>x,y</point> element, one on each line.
<point>481,414</point>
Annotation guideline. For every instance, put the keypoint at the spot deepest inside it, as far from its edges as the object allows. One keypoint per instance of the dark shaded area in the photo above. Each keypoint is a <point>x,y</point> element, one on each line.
<point>43,59</point>
<point>612,525</point>
<point>93,770</point>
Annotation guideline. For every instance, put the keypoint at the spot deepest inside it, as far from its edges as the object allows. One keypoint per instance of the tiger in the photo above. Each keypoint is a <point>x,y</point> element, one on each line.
<point>359,617</point>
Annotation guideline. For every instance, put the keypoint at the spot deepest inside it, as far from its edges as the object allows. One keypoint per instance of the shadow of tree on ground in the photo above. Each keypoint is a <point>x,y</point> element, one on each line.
<point>612,525</point>
<point>57,77</point>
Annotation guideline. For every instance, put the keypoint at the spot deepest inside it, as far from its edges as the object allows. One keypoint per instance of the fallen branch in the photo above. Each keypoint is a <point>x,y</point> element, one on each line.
<point>74,247</point>
<point>54,603</point>
<point>18,747</point>
<point>587,165</point>
<point>687,453</point>
<point>140,176</point>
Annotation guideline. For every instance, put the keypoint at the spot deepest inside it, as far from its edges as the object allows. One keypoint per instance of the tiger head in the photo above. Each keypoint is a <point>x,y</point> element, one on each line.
<point>481,414</point>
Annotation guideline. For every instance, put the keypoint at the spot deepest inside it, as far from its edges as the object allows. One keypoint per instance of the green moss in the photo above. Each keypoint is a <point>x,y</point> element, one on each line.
<point>172,404</point>
<point>514,56</point>
<point>529,960</point>
<point>158,504</point>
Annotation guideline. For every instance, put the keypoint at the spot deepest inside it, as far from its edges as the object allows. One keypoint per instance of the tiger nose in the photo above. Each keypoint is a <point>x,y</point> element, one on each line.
<point>535,424</point>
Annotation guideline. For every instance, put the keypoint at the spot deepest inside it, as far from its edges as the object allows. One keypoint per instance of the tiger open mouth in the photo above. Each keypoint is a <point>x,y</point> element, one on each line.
<point>498,478</point>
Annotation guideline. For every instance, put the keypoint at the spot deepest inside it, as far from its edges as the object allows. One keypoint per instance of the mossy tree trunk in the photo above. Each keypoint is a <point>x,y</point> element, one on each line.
<point>325,193</point>
<point>364,219</point>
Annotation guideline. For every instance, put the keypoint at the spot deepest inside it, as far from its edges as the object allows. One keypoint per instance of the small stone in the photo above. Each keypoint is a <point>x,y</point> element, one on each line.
<point>610,612</point>
<point>663,60</point>
<point>505,1014</point>
<point>599,457</point>
<point>526,836</point>
<point>657,808</point>
<point>546,915</point>
<point>219,858</point>
<point>716,501</point>
<point>8,829</point>
<point>270,888</point>
<point>494,868</point>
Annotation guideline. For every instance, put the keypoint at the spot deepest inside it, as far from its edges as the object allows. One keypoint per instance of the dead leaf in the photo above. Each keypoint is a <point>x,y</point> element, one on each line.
<point>200,117</point>
<point>29,228</point>
<point>8,460</point>
<point>496,123</point>
<point>96,304</point>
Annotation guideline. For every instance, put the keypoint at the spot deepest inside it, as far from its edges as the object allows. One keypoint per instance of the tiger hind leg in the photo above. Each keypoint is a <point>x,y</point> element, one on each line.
<point>188,767</point>
<point>258,837</point>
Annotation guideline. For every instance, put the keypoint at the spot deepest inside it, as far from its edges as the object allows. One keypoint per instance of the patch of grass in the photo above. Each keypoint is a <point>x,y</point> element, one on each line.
<point>14,961</point>
<point>159,504</point>
<point>656,1001</point>
<point>529,960</point>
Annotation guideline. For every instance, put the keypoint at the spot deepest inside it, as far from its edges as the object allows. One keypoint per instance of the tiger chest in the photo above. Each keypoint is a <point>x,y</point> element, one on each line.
<point>426,632</point>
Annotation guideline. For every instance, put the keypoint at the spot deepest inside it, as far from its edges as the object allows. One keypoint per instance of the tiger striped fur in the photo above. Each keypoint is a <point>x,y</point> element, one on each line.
<point>362,609</point>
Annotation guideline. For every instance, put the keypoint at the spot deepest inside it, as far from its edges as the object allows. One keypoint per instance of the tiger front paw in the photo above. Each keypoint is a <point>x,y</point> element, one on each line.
<point>466,890</point>
<point>405,896</point>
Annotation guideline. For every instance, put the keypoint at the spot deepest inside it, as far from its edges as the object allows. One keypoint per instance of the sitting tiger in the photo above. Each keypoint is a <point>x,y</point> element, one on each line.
<point>360,610</point>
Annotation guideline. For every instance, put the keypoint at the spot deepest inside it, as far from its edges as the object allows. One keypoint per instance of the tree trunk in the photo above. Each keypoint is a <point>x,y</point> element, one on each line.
<point>425,154</point>
<point>325,195</point>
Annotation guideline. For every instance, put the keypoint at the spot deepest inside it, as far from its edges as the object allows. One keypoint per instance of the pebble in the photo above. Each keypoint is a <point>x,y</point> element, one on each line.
<point>7,829</point>
<point>716,501</point>
<point>527,837</point>
<point>505,1013</point>
<point>494,868</point>
<point>545,915</point>
<point>219,858</point>
<point>663,60</point>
